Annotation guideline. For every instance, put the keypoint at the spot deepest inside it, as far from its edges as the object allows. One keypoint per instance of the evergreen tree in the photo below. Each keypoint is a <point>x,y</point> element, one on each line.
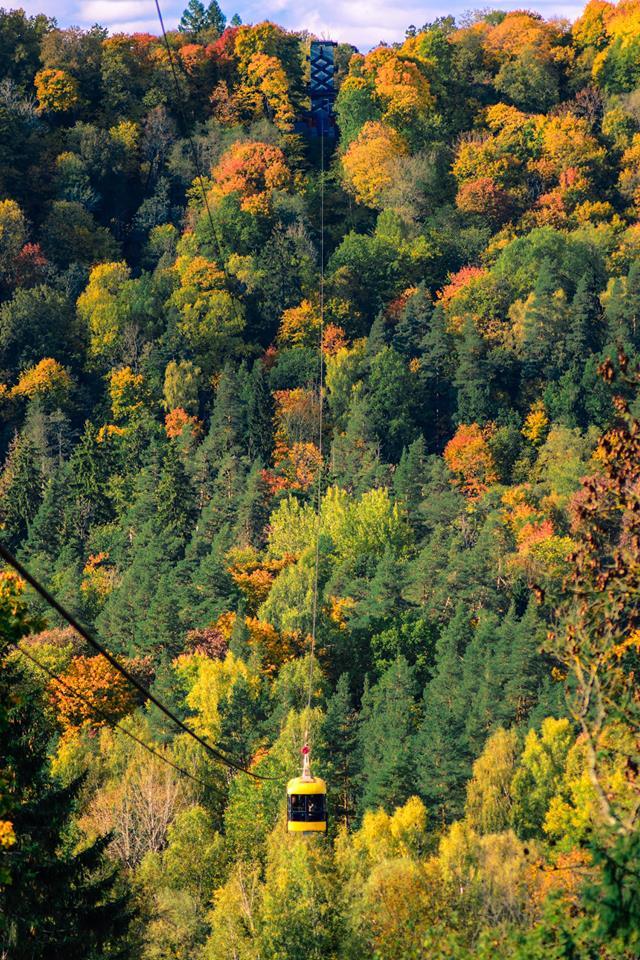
<point>197,18</point>
<point>356,460</point>
<point>253,511</point>
<point>243,717</point>
<point>174,500</point>
<point>584,335</point>
<point>480,685</point>
<point>47,532</point>
<point>89,470</point>
<point>437,396</point>
<point>391,402</point>
<point>524,668</point>
<point>339,755</point>
<point>408,479</point>
<point>545,326</point>
<point>472,378</point>
<point>259,415</point>
<point>226,435</point>
<point>414,324</point>
<point>59,901</point>
<point>21,489</point>
<point>443,763</point>
<point>622,308</point>
<point>387,737</point>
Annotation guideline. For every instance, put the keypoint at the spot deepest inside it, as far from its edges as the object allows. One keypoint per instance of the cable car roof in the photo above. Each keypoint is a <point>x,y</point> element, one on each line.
<point>300,786</point>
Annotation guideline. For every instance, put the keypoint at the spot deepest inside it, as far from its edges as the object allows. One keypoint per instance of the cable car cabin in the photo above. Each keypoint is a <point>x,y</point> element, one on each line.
<point>306,805</point>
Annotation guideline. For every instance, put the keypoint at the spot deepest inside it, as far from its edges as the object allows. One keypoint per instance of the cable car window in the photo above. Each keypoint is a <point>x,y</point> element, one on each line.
<point>297,807</point>
<point>315,807</point>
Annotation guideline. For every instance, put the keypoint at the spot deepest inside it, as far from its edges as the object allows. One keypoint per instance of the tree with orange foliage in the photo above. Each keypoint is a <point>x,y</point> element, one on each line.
<point>469,458</point>
<point>275,646</point>
<point>98,682</point>
<point>334,339</point>
<point>192,56</point>
<point>253,170</point>
<point>178,420</point>
<point>485,198</point>
<point>295,467</point>
<point>254,576</point>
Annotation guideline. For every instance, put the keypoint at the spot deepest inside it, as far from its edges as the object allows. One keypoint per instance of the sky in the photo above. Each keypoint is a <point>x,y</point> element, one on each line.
<point>361,22</point>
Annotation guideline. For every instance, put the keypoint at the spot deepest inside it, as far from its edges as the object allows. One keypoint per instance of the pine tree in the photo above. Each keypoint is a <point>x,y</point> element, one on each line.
<point>253,508</point>
<point>443,763</point>
<point>436,392</point>
<point>174,499</point>
<point>525,668</point>
<point>623,308</point>
<point>59,902</point>
<point>480,687</point>
<point>545,324</point>
<point>243,716</point>
<point>356,462</point>
<point>413,325</point>
<point>472,378</point>
<point>89,471</point>
<point>211,589</point>
<point>390,391</point>
<point>339,756</point>
<point>259,414</point>
<point>21,489</point>
<point>409,477</point>
<point>584,335</point>
<point>196,18</point>
<point>378,337</point>
<point>386,736</point>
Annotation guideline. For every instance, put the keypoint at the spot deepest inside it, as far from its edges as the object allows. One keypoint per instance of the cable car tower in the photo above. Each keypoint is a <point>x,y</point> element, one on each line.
<point>318,120</point>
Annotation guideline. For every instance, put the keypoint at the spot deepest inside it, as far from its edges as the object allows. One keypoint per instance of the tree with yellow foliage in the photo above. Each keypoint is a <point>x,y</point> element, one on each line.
<point>48,380</point>
<point>369,162</point>
<point>57,91</point>
<point>211,319</point>
<point>103,309</point>
<point>13,236</point>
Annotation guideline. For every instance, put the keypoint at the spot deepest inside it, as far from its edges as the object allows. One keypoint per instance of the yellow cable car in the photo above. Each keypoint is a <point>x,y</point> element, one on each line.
<point>306,801</point>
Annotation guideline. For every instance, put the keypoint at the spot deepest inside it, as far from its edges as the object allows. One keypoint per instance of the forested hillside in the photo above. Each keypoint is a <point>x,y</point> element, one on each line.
<point>470,507</point>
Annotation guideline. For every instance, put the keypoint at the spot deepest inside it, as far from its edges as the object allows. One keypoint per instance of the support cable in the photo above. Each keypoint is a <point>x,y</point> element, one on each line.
<point>316,572</point>
<point>213,751</point>
<point>114,724</point>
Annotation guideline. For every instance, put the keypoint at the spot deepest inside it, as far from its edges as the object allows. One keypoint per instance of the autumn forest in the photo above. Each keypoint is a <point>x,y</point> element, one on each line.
<point>326,435</point>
